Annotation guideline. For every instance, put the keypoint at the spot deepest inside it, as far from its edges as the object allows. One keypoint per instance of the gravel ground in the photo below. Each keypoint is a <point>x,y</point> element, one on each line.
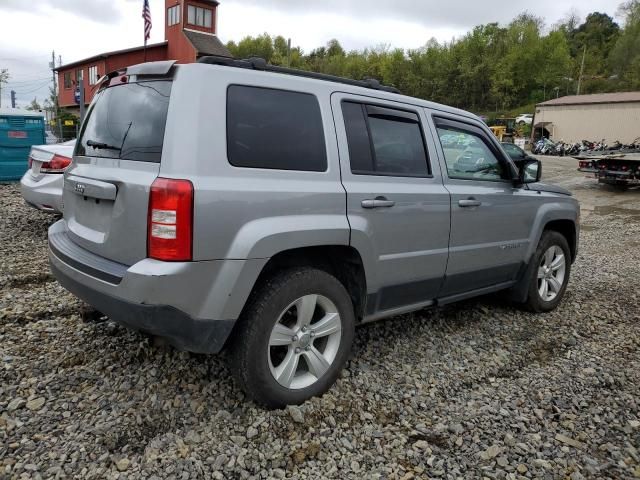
<point>478,389</point>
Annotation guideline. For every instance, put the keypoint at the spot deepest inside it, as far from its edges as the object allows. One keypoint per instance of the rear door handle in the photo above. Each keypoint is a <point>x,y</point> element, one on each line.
<point>470,202</point>
<point>378,202</point>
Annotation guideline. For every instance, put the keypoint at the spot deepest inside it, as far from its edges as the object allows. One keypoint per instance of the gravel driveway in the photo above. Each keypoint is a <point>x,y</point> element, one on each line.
<point>478,389</point>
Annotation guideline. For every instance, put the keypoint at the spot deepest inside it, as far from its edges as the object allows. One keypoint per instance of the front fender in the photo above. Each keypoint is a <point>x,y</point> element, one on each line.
<point>565,209</point>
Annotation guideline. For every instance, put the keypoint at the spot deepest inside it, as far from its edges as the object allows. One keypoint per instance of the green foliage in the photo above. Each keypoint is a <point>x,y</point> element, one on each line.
<point>34,105</point>
<point>490,69</point>
<point>624,59</point>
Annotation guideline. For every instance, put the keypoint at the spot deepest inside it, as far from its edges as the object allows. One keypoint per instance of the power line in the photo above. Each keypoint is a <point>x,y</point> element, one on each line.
<point>24,83</point>
<point>19,59</point>
<point>26,92</point>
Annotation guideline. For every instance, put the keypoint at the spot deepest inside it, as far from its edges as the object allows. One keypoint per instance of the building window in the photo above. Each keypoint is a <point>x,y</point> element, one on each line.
<point>93,75</point>
<point>79,75</point>
<point>173,15</point>
<point>67,80</point>
<point>200,17</point>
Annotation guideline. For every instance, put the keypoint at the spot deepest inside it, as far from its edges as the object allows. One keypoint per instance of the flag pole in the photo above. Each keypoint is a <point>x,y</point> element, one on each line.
<point>146,15</point>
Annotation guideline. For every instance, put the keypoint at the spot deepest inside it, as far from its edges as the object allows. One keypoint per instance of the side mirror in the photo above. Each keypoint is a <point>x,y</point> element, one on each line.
<point>529,171</point>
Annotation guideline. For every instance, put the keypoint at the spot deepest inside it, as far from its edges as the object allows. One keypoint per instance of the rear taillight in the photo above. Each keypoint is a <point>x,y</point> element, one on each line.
<point>170,222</point>
<point>30,161</point>
<point>57,164</point>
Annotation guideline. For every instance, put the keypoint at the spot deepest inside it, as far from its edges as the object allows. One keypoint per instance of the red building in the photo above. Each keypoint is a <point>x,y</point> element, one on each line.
<point>189,31</point>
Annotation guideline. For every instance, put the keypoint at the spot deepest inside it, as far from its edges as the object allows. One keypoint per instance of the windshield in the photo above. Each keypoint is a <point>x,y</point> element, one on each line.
<point>127,122</point>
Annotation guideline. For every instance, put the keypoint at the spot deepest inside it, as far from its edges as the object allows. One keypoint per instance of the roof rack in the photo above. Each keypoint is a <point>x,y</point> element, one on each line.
<point>255,63</point>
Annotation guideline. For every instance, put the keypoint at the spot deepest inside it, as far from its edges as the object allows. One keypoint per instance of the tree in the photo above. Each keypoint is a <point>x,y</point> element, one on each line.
<point>260,46</point>
<point>34,105</point>
<point>598,34</point>
<point>493,67</point>
<point>625,55</point>
<point>51,101</point>
<point>4,78</point>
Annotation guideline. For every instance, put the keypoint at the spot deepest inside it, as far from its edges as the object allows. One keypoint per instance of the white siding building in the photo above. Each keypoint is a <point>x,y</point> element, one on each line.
<point>612,116</point>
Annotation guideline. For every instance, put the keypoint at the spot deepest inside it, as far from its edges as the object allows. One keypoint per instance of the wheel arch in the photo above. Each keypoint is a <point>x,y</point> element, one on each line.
<point>555,221</point>
<point>567,228</point>
<point>342,261</point>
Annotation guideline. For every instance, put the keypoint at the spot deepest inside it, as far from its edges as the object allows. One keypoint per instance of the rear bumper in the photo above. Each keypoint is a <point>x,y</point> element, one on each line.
<point>193,305</point>
<point>181,330</point>
<point>44,193</point>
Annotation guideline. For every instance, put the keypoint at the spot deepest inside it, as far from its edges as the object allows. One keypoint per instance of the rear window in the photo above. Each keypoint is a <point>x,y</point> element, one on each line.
<point>274,129</point>
<point>127,122</point>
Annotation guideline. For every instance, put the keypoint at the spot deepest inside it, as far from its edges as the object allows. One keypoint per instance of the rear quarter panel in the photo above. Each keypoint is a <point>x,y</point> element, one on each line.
<point>244,213</point>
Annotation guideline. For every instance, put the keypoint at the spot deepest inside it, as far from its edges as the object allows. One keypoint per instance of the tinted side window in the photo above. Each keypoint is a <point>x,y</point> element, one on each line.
<point>467,156</point>
<point>358,140</point>
<point>274,129</point>
<point>384,141</point>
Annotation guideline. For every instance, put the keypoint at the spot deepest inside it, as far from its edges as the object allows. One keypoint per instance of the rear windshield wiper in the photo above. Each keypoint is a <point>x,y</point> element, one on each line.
<point>101,146</point>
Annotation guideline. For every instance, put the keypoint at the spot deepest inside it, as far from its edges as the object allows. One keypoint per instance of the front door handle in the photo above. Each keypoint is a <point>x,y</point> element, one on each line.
<point>470,202</point>
<point>378,202</point>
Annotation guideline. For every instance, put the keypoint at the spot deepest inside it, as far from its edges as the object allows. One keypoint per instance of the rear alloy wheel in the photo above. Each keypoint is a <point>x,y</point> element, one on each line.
<point>549,273</point>
<point>304,341</point>
<point>293,338</point>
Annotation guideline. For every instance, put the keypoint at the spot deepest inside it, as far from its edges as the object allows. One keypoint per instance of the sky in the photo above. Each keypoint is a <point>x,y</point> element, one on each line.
<point>76,29</point>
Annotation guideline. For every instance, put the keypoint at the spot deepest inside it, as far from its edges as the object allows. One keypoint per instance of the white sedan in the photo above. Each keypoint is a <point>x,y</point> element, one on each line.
<point>42,185</point>
<point>524,118</point>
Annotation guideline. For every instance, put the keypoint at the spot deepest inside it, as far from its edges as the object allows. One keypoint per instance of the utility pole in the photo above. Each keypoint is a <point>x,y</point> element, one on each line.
<point>82,106</point>
<point>584,53</point>
<point>56,105</point>
<point>1,81</point>
<point>289,52</point>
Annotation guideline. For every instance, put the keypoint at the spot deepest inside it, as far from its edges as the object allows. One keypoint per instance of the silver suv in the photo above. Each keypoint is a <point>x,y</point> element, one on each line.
<point>234,205</point>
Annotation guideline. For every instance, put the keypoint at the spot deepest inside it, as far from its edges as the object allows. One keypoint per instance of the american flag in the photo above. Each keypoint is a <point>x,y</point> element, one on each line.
<point>146,14</point>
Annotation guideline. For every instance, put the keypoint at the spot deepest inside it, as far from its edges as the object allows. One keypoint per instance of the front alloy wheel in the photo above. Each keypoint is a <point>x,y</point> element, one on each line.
<point>551,273</point>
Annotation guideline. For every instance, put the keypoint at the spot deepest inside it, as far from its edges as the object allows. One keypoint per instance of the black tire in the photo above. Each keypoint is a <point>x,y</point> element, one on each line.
<point>249,349</point>
<point>535,302</point>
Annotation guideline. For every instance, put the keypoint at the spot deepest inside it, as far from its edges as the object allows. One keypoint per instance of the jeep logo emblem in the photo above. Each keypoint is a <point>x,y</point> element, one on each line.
<point>79,188</point>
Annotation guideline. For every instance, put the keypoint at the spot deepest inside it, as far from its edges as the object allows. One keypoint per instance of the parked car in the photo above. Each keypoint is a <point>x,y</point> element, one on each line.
<point>51,139</point>
<point>519,156</point>
<point>516,153</point>
<point>267,211</point>
<point>41,185</point>
<point>524,118</point>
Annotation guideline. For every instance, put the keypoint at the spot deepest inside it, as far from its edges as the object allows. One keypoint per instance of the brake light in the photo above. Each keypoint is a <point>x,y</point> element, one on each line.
<point>170,221</point>
<point>58,164</point>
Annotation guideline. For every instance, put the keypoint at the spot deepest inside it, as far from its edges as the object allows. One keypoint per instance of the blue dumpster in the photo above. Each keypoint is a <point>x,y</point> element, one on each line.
<point>19,130</point>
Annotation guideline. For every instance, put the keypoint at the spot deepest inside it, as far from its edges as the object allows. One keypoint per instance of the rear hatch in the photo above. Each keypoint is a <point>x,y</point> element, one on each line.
<point>117,158</point>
